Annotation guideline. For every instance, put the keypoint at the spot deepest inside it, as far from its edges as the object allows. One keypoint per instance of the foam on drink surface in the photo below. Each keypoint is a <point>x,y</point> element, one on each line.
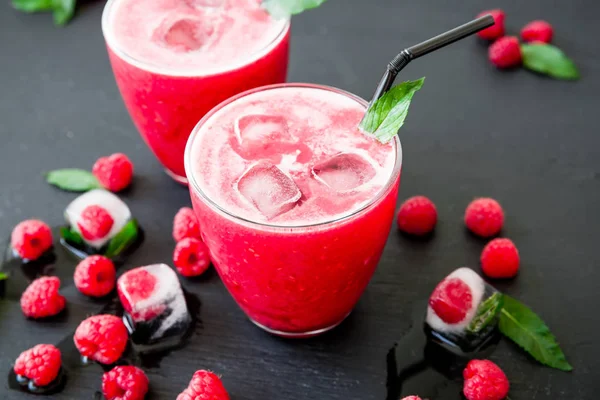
<point>191,35</point>
<point>304,138</point>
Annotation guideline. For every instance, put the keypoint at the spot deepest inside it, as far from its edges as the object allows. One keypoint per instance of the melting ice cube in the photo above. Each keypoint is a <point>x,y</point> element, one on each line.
<point>270,190</point>
<point>184,34</point>
<point>257,130</point>
<point>344,172</point>
<point>463,311</point>
<point>117,209</point>
<point>205,4</point>
<point>154,304</point>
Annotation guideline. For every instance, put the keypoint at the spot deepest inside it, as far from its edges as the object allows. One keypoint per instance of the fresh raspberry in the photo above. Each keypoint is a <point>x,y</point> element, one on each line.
<point>136,285</point>
<point>114,172</point>
<point>191,257</point>
<point>451,300</point>
<point>500,259</point>
<point>495,31</point>
<point>505,52</point>
<point>204,385</point>
<point>411,398</point>
<point>95,276</point>
<point>41,298</point>
<point>102,338</point>
<point>417,216</point>
<point>484,380</point>
<point>537,31</point>
<point>31,238</point>
<point>95,222</point>
<point>185,224</point>
<point>39,364</point>
<point>124,383</point>
<point>484,217</point>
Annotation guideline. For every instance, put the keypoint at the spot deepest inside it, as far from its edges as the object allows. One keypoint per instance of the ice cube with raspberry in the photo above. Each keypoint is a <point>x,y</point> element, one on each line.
<point>463,310</point>
<point>97,216</point>
<point>156,312</point>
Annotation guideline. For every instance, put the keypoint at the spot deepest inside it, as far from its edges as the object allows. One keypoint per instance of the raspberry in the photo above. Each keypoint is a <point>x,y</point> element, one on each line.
<point>204,385</point>
<point>505,52</point>
<point>41,298</point>
<point>451,300</point>
<point>191,257</point>
<point>102,338</point>
<point>136,285</point>
<point>417,216</point>
<point>495,31</point>
<point>114,172</point>
<point>95,276</point>
<point>185,224</point>
<point>537,31</point>
<point>411,398</point>
<point>95,222</point>
<point>31,238</point>
<point>39,364</point>
<point>484,217</point>
<point>484,380</point>
<point>500,259</point>
<point>124,383</point>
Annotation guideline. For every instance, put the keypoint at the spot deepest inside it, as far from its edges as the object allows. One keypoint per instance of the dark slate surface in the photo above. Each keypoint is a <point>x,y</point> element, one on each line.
<point>530,142</point>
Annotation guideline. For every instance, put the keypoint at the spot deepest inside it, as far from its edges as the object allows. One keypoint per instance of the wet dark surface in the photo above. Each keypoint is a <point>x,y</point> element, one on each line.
<point>530,142</point>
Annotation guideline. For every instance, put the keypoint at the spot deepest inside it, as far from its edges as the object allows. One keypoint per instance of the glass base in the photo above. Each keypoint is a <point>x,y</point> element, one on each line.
<point>177,178</point>
<point>298,335</point>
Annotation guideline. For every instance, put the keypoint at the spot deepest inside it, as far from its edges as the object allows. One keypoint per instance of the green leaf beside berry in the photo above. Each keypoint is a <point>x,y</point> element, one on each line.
<point>287,8</point>
<point>549,60</point>
<point>122,240</point>
<point>3,276</point>
<point>520,324</point>
<point>71,237</point>
<point>386,115</point>
<point>62,10</point>
<point>73,179</point>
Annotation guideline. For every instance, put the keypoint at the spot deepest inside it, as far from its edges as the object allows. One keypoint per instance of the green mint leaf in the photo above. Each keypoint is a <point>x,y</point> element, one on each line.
<point>63,11</point>
<point>549,60</point>
<point>30,6</point>
<point>71,236</point>
<point>287,8</point>
<point>385,117</point>
<point>3,276</point>
<point>73,180</point>
<point>125,238</point>
<point>520,324</point>
<point>486,313</point>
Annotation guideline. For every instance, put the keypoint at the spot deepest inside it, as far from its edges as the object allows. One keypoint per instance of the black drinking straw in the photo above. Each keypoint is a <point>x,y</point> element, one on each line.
<point>426,47</point>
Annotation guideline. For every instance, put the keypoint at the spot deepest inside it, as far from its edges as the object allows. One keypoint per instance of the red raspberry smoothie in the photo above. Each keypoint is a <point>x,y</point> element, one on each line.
<point>294,202</point>
<point>174,60</point>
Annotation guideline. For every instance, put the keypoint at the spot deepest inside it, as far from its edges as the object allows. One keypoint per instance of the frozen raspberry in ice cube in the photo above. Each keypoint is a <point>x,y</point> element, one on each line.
<point>344,172</point>
<point>270,190</point>
<point>154,302</point>
<point>76,215</point>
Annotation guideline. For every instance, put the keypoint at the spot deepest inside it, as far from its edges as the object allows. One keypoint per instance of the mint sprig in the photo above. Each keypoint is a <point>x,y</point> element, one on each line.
<point>3,276</point>
<point>62,10</point>
<point>548,60</point>
<point>73,179</point>
<point>487,312</point>
<point>122,240</point>
<point>385,117</point>
<point>71,236</point>
<point>520,324</point>
<point>287,8</point>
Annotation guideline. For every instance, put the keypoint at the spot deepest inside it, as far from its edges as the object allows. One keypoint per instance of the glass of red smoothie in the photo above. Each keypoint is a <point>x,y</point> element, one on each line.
<point>174,60</point>
<point>295,203</point>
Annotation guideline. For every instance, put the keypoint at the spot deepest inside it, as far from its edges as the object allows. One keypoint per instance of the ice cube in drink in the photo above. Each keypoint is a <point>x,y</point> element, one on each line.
<point>117,209</point>
<point>463,311</point>
<point>344,172</point>
<point>156,313</point>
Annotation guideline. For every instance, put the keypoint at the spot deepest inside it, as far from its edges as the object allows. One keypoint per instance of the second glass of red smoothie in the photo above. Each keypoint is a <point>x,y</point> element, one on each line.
<point>294,202</point>
<point>174,60</point>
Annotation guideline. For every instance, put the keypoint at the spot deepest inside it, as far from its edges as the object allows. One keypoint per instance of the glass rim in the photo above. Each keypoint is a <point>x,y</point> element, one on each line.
<point>196,187</point>
<point>148,66</point>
